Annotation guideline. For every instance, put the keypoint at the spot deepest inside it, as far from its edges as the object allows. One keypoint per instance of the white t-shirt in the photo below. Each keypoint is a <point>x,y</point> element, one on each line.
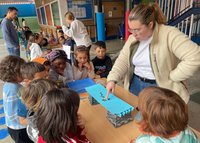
<point>35,51</point>
<point>141,60</point>
<point>78,32</point>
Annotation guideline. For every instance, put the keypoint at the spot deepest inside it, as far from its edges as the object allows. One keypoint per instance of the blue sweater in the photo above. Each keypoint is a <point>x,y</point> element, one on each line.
<point>9,33</point>
<point>11,95</point>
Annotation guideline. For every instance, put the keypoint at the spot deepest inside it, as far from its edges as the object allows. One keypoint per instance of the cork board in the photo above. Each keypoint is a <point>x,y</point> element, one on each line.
<point>116,9</point>
<point>48,14</point>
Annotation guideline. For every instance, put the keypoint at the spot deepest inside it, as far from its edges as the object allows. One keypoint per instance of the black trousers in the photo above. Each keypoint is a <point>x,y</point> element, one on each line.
<point>19,136</point>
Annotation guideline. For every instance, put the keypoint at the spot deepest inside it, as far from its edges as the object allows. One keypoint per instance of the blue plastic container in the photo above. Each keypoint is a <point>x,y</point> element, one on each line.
<point>80,85</point>
<point>122,30</point>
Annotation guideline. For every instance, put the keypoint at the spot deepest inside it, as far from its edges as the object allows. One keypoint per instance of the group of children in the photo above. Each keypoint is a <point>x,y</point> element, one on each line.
<point>41,112</point>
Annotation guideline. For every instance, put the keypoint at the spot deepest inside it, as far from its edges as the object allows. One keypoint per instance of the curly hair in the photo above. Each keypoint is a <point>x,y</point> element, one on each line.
<point>56,54</point>
<point>10,68</point>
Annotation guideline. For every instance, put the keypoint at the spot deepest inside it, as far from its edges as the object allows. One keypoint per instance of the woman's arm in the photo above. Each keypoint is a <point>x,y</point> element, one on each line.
<point>187,51</point>
<point>68,32</point>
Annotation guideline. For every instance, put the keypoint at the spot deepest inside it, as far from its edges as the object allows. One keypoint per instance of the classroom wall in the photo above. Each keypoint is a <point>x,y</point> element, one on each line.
<point>25,10</point>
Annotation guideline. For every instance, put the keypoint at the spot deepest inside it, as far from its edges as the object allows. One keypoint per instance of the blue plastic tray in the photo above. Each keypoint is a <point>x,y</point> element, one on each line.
<point>80,85</point>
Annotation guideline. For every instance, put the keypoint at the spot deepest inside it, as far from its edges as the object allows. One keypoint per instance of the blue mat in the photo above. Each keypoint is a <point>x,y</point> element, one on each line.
<point>114,105</point>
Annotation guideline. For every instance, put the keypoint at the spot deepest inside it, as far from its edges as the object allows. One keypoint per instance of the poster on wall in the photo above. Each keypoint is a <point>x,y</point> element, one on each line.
<point>81,9</point>
<point>39,16</point>
<point>43,16</point>
<point>48,14</point>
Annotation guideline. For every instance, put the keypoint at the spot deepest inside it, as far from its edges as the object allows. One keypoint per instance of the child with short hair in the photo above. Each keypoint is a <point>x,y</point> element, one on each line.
<point>60,33</point>
<point>46,63</point>
<point>30,71</point>
<point>10,73</point>
<point>82,66</point>
<point>32,97</point>
<point>164,117</point>
<point>52,41</point>
<point>60,68</point>
<point>27,35</point>
<point>33,46</point>
<point>69,41</point>
<point>102,63</point>
<point>57,118</point>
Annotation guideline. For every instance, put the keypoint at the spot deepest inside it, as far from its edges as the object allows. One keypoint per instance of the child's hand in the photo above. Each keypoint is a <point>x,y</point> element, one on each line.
<point>81,121</point>
<point>132,141</point>
<point>97,76</point>
<point>88,66</point>
<point>98,72</point>
<point>59,71</point>
<point>80,67</point>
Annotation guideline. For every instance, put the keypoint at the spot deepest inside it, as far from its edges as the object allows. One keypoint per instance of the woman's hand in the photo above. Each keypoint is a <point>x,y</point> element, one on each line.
<point>110,88</point>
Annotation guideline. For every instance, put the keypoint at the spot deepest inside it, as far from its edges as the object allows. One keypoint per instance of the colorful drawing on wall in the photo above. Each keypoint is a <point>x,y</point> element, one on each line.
<point>43,16</point>
<point>39,16</point>
<point>48,14</point>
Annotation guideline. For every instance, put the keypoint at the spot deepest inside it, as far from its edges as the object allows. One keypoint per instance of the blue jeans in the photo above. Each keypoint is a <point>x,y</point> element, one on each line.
<point>137,85</point>
<point>13,51</point>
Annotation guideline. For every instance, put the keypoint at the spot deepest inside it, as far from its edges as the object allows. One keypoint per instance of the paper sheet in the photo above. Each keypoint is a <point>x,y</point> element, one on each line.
<point>67,50</point>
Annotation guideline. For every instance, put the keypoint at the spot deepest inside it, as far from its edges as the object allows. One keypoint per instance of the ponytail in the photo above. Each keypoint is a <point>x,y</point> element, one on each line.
<point>147,13</point>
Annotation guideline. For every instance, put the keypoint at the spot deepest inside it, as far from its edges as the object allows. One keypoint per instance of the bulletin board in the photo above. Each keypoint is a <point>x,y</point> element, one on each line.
<point>55,13</point>
<point>81,9</point>
<point>113,9</point>
<point>39,16</point>
<point>43,16</point>
<point>48,14</point>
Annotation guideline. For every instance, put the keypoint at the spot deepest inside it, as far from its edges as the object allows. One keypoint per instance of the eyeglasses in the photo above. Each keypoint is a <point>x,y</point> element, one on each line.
<point>136,31</point>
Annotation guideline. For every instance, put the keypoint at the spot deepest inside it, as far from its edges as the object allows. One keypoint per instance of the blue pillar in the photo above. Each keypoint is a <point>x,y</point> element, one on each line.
<point>100,26</point>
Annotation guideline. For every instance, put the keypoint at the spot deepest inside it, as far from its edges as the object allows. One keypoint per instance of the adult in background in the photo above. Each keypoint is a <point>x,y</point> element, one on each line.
<point>155,54</point>
<point>9,33</point>
<point>77,31</point>
<point>24,23</point>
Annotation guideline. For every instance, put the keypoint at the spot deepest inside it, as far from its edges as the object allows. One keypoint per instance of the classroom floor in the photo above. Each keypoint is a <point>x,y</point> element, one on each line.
<point>113,46</point>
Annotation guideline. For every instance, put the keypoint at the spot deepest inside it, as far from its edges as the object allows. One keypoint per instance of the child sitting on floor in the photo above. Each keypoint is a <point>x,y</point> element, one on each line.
<point>102,63</point>
<point>57,118</point>
<point>164,117</point>
<point>52,41</point>
<point>82,66</point>
<point>30,71</point>
<point>60,68</point>
<point>10,73</point>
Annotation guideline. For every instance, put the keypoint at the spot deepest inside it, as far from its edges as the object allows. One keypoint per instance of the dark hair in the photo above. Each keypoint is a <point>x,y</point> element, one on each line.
<point>11,9</point>
<point>27,34</point>
<point>146,13</point>
<point>81,49</point>
<point>162,111</point>
<point>10,68</point>
<point>99,44</point>
<point>57,114</point>
<point>62,37</point>
<point>30,69</point>
<point>47,63</point>
<point>60,31</point>
<point>56,54</point>
<point>23,19</point>
<point>32,94</point>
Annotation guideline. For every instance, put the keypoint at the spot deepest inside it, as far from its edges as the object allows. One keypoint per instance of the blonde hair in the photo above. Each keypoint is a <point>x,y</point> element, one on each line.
<point>69,15</point>
<point>32,94</point>
<point>147,13</point>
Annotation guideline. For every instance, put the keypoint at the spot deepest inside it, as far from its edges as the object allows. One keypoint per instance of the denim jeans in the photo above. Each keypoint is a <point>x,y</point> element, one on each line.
<point>137,85</point>
<point>13,51</point>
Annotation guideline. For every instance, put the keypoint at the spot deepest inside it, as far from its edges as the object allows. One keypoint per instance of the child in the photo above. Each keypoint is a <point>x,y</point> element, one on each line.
<point>164,117</point>
<point>27,35</point>
<point>45,63</point>
<point>60,33</point>
<point>102,63</point>
<point>33,46</point>
<point>32,96</point>
<point>57,118</point>
<point>10,73</point>
<point>52,41</point>
<point>30,71</point>
<point>22,34</point>
<point>60,68</point>
<point>82,66</point>
<point>68,41</point>
<point>44,41</point>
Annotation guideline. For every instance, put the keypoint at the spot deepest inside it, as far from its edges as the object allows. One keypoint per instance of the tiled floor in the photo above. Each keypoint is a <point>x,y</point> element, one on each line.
<point>114,46</point>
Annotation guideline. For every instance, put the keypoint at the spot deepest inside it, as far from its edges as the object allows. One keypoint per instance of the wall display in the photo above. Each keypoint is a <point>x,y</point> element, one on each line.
<point>43,16</point>
<point>48,14</point>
